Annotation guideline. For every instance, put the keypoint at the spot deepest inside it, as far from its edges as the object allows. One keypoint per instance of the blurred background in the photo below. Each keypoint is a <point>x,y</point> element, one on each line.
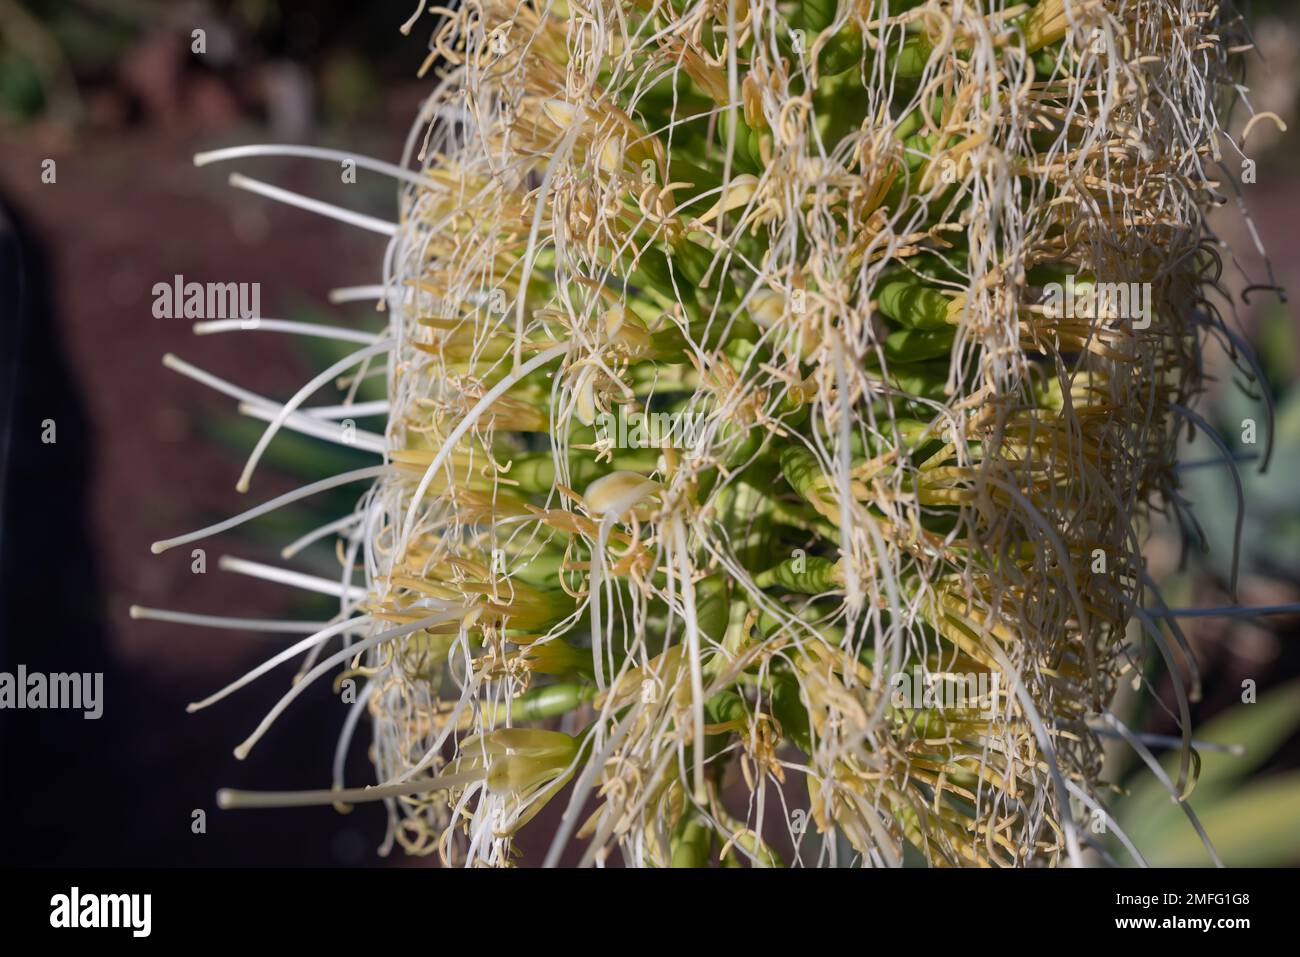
<point>113,93</point>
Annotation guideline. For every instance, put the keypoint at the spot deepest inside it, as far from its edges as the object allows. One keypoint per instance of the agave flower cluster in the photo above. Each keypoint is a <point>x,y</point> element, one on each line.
<point>825,229</point>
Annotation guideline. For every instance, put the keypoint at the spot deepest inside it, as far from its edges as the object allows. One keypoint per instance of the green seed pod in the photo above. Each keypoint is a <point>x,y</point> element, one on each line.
<point>800,468</point>
<point>919,344</point>
<point>692,843</point>
<point>790,711</point>
<point>712,607</point>
<point>807,575</point>
<point>724,707</point>
<point>914,304</point>
<point>545,702</point>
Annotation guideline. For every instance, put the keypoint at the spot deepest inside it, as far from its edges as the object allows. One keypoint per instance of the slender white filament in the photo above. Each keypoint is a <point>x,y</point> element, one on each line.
<point>360,220</point>
<point>285,576</point>
<point>334,481</point>
<point>298,398</point>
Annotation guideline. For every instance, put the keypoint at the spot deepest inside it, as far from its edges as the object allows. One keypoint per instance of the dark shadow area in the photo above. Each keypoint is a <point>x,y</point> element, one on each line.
<point>122,789</point>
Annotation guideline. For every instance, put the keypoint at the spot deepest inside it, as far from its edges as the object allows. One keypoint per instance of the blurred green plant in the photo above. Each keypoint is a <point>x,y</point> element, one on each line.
<point>1270,537</point>
<point>1253,821</point>
<point>36,61</point>
<point>53,50</point>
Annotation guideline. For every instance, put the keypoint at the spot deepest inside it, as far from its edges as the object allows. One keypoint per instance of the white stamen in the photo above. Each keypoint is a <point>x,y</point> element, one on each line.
<point>141,613</point>
<point>349,728</point>
<point>360,220</point>
<point>356,293</point>
<point>284,325</point>
<point>316,534</point>
<point>319,429</point>
<point>316,152</point>
<point>285,576</point>
<point>358,409</point>
<point>324,635</point>
<point>260,407</point>
<point>693,653</point>
<point>301,396</point>
<point>346,654</point>
<point>216,383</point>
<point>356,475</point>
<point>228,799</point>
<point>405,28</point>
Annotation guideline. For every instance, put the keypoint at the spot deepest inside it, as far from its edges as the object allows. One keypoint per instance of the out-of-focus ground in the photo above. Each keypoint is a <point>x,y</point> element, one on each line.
<point>113,94</point>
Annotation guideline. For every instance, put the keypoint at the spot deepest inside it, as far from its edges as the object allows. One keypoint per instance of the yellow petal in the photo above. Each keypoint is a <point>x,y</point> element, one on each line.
<point>737,193</point>
<point>617,492</point>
